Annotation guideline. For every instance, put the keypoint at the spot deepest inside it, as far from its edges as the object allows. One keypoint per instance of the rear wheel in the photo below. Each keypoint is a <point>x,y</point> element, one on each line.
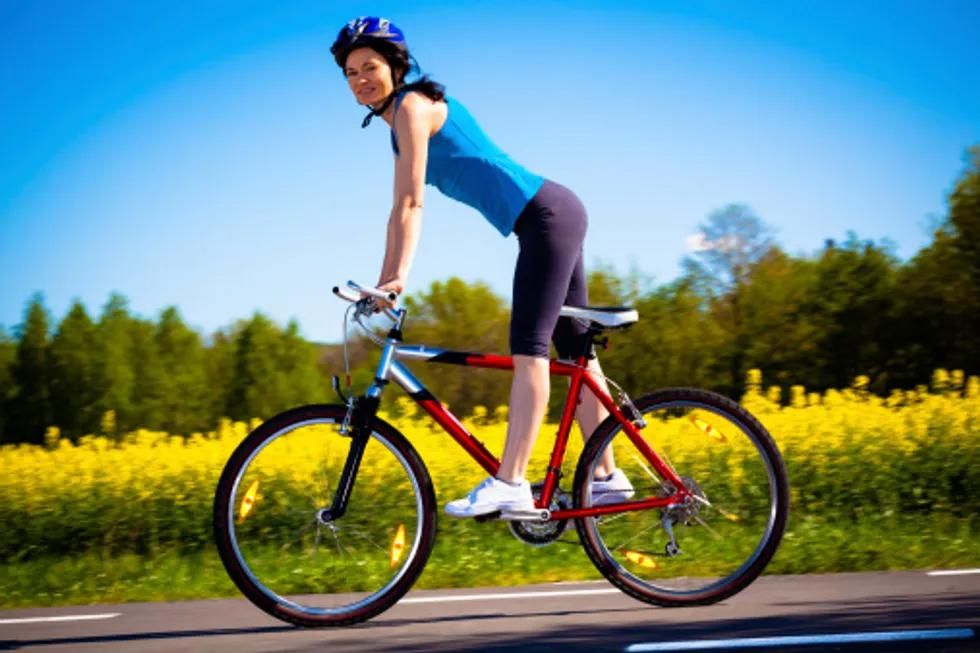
<point>287,554</point>
<point>716,544</point>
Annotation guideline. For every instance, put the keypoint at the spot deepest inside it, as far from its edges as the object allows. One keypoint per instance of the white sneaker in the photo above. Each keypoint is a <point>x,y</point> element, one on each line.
<point>613,490</point>
<point>490,496</point>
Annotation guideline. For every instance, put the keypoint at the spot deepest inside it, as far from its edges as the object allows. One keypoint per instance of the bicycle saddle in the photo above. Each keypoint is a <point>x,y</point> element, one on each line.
<point>609,317</point>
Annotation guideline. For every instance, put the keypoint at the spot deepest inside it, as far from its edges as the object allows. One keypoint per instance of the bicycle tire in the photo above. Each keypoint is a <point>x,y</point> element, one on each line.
<point>314,429</point>
<point>645,575</point>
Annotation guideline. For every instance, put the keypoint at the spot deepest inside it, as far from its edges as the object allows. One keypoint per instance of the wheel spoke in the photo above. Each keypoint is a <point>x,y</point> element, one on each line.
<point>646,469</point>
<point>368,540</point>
<point>703,559</point>
<point>341,549</point>
<point>703,523</point>
<point>305,527</point>
<point>634,537</point>
<point>284,556</point>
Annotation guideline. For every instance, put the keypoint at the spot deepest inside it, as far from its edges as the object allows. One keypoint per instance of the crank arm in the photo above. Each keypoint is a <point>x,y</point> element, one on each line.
<point>538,514</point>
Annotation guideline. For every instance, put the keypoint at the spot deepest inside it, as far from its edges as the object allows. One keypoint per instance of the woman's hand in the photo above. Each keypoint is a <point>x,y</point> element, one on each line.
<point>396,285</point>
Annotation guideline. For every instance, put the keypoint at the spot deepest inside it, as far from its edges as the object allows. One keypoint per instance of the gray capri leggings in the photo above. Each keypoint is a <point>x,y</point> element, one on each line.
<point>549,274</point>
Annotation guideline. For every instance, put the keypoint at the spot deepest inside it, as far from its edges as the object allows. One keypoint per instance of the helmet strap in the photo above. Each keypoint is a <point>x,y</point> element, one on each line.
<point>399,87</point>
<point>377,112</point>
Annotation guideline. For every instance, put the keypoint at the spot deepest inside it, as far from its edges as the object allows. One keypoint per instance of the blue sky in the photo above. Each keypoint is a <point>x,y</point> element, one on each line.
<point>208,155</point>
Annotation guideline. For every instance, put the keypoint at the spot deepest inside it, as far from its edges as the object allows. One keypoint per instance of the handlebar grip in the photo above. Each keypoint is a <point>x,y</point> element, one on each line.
<point>345,294</point>
<point>373,292</point>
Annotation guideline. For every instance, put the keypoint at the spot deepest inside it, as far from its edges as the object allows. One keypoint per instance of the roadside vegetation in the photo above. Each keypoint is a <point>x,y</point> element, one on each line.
<point>877,483</point>
<point>113,429</point>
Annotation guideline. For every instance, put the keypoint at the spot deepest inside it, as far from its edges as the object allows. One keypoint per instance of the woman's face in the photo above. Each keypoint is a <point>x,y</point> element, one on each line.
<point>369,76</point>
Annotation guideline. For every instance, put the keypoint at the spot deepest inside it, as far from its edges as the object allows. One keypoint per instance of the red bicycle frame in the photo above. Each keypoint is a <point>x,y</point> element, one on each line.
<point>389,368</point>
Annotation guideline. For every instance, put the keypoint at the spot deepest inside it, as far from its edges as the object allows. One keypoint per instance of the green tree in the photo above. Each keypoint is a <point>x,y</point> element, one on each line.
<point>75,386</point>
<point>964,215</point>
<point>605,287</point>
<point>964,221</point>
<point>8,354</point>
<point>30,406</point>
<point>185,401</point>
<point>457,315</point>
<point>255,388</point>
<point>782,336</point>
<point>299,365</point>
<point>114,361</point>
<point>274,370</point>
<point>219,370</point>
<point>852,303</point>
<point>149,378</point>
<point>932,295</point>
<point>938,291</point>
<point>673,344</point>
<point>726,248</point>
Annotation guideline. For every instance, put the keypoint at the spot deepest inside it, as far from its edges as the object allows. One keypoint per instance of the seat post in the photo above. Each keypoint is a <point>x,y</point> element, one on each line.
<point>589,341</point>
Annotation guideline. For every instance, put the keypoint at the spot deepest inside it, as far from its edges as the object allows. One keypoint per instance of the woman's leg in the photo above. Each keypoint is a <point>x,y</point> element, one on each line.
<point>529,394</point>
<point>528,402</point>
<point>589,413</point>
<point>550,234</point>
<point>569,338</point>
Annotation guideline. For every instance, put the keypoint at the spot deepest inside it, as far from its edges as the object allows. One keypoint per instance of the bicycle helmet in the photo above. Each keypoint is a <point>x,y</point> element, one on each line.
<point>379,34</point>
<point>366,31</point>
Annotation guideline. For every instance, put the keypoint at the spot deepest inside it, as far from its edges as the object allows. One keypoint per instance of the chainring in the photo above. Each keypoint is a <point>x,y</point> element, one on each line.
<point>541,533</point>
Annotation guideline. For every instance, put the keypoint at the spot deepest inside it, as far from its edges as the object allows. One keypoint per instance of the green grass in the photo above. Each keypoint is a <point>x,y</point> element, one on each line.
<point>468,555</point>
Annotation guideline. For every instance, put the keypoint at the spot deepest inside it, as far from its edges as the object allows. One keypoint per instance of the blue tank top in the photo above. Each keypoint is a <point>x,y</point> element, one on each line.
<point>465,165</point>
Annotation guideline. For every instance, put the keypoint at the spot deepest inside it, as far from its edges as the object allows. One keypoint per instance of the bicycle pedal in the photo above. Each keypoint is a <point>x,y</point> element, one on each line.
<point>538,514</point>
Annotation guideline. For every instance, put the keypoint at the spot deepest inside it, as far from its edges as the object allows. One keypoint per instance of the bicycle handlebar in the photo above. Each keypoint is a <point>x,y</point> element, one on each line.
<point>374,292</point>
<point>343,293</point>
<point>366,305</point>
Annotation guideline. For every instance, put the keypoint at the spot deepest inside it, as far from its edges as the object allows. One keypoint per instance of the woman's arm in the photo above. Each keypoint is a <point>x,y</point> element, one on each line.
<point>413,127</point>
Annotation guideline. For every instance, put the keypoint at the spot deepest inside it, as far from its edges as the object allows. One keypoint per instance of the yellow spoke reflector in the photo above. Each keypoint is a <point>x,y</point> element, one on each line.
<point>730,516</point>
<point>248,501</point>
<point>641,559</point>
<point>397,546</point>
<point>708,429</point>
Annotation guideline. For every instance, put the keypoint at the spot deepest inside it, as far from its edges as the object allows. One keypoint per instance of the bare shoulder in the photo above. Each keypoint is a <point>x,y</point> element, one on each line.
<point>416,107</point>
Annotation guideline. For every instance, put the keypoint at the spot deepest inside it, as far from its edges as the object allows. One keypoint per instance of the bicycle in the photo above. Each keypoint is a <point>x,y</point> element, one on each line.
<point>311,541</point>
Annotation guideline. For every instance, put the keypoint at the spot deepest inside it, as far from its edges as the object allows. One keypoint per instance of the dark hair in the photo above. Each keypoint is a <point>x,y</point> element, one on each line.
<point>400,62</point>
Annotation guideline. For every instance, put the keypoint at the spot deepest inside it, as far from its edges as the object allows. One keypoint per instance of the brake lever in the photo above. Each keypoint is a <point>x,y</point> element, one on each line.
<point>365,306</point>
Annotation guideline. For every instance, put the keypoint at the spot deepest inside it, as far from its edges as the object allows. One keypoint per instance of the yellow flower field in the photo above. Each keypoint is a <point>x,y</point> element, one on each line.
<point>850,454</point>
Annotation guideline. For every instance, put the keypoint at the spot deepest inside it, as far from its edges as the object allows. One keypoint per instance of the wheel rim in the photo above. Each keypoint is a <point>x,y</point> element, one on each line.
<point>344,580</point>
<point>719,543</point>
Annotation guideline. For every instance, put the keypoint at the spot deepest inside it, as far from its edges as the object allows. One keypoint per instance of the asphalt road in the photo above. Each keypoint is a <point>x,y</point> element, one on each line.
<point>566,617</point>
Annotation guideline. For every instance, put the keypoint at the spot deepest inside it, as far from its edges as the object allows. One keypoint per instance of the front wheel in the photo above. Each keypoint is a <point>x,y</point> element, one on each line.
<point>717,542</point>
<point>288,554</point>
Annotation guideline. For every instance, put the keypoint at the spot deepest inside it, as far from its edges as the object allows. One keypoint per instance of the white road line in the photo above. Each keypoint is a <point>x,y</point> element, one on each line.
<point>509,595</point>
<point>75,617</point>
<point>953,572</point>
<point>792,640</point>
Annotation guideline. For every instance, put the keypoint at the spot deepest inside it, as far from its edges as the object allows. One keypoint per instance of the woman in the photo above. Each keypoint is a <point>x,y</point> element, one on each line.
<point>435,140</point>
